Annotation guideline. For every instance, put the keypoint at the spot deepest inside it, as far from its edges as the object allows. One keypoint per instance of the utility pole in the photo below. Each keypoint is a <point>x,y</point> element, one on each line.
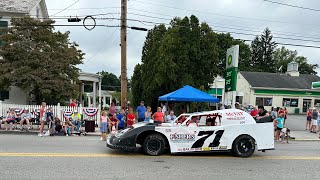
<point>123,37</point>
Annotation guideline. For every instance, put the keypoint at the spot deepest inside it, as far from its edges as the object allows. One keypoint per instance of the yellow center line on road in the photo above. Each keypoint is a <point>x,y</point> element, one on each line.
<point>4,154</point>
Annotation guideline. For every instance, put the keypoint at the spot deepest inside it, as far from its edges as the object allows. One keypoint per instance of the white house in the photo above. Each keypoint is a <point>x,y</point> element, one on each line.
<point>19,8</point>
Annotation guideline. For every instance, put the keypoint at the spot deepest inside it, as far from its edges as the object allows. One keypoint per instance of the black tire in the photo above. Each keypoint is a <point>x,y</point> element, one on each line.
<point>243,146</point>
<point>153,144</point>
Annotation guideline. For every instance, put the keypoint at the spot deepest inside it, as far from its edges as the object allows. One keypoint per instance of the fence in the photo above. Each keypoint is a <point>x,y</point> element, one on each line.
<point>61,112</point>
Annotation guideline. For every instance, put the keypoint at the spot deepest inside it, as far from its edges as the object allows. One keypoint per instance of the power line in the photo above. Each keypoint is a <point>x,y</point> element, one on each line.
<point>235,28</point>
<point>115,7</point>
<point>294,6</point>
<point>287,44</point>
<point>65,8</point>
<point>215,14</point>
<point>213,26</point>
<point>233,32</point>
<point>71,25</point>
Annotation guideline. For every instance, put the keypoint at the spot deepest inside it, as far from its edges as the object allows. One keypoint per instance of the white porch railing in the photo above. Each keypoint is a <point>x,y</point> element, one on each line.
<point>57,110</point>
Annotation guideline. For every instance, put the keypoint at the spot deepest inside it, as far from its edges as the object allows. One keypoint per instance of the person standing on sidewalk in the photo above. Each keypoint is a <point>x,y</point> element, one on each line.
<point>318,120</point>
<point>309,118</point>
<point>112,109</point>
<point>141,112</point>
<point>130,118</point>
<point>285,115</point>
<point>314,121</point>
<point>147,115</point>
<point>42,118</point>
<point>121,117</point>
<point>158,116</point>
<point>280,121</point>
<point>170,117</point>
<point>104,119</point>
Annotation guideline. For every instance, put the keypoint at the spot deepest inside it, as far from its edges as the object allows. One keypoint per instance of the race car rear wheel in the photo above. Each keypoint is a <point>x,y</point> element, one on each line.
<point>153,144</point>
<point>243,146</point>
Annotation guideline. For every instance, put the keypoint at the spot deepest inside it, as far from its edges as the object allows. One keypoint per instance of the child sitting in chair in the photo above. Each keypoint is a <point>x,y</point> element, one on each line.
<point>68,127</point>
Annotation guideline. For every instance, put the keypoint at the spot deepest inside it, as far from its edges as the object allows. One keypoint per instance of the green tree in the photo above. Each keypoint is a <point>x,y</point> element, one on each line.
<point>110,81</point>
<point>136,85</point>
<point>185,53</point>
<point>283,57</point>
<point>262,48</point>
<point>39,60</point>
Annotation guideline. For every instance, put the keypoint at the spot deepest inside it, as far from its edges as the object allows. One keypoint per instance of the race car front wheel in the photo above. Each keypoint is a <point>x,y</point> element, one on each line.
<point>153,144</point>
<point>243,146</point>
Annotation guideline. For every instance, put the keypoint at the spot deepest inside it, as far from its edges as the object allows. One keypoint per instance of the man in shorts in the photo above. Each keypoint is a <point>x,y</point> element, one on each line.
<point>314,121</point>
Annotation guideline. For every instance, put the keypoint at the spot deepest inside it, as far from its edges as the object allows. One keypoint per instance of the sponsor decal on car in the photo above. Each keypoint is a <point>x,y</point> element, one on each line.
<point>235,116</point>
<point>181,138</point>
<point>223,147</point>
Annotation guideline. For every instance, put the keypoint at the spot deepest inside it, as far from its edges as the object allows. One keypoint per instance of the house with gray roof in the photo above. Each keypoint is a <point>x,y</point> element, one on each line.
<point>291,90</point>
<point>14,8</point>
<point>19,8</point>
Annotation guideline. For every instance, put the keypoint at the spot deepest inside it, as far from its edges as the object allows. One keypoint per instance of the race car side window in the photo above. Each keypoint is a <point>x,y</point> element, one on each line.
<point>181,119</point>
<point>213,120</point>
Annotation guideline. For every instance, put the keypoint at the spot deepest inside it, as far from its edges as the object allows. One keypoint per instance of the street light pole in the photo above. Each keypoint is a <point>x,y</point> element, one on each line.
<point>123,37</point>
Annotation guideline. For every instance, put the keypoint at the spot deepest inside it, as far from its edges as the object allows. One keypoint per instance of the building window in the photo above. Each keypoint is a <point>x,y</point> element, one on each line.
<point>4,95</point>
<point>288,102</point>
<point>317,102</point>
<point>263,101</point>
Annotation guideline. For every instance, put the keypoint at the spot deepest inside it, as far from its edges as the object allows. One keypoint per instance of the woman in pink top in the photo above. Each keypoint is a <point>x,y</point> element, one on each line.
<point>112,109</point>
<point>104,123</point>
<point>158,116</point>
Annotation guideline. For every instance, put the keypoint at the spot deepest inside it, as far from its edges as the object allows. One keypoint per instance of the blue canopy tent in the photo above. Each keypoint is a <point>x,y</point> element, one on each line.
<point>189,94</point>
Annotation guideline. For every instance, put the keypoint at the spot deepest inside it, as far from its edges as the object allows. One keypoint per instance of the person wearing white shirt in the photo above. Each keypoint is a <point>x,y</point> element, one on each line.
<point>26,116</point>
<point>164,108</point>
<point>170,117</point>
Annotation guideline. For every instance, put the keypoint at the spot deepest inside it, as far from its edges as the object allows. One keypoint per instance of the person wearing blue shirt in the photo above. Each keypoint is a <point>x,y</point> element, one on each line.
<point>140,111</point>
<point>280,121</point>
<point>121,118</point>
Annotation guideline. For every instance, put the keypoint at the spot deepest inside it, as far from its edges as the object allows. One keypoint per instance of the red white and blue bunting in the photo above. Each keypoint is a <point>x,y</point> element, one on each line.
<point>36,112</point>
<point>67,114</point>
<point>91,111</point>
<point>18,111</point>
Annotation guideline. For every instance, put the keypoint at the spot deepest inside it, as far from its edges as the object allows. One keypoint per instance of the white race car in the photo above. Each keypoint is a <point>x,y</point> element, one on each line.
<point>223,130</point>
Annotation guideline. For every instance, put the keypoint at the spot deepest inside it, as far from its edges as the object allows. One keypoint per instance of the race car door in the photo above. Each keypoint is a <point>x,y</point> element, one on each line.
<point>199,134</point>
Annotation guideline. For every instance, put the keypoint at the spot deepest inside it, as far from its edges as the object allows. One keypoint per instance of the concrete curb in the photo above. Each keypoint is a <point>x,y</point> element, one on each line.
<point>98,134</point>
<point>305,140</point>
<point>36,133</point>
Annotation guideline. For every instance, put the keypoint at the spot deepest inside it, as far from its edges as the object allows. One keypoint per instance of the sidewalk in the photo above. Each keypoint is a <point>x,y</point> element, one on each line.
<point>298,135</point>
<point>305,136</point>
<point>36,132</point>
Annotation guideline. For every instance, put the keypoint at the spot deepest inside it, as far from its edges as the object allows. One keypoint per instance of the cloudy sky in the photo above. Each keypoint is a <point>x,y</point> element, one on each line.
<point>101,44</point>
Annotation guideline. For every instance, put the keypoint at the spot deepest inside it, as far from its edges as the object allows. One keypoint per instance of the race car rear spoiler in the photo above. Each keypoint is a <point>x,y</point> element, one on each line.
<point>264,120</point>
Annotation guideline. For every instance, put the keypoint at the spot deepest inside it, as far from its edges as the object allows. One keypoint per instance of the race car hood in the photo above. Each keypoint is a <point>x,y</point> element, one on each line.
<point>140,124</point>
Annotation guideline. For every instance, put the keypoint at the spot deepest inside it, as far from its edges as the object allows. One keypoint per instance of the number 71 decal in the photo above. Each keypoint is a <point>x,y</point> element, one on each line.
<point>215,143</point>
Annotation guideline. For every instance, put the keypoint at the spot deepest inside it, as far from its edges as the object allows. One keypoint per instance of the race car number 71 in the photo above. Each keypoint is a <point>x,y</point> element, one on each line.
<point>215,143</point>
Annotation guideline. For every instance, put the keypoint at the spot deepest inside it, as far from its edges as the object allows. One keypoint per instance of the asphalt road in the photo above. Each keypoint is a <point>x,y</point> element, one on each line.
<point>32,157</point>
